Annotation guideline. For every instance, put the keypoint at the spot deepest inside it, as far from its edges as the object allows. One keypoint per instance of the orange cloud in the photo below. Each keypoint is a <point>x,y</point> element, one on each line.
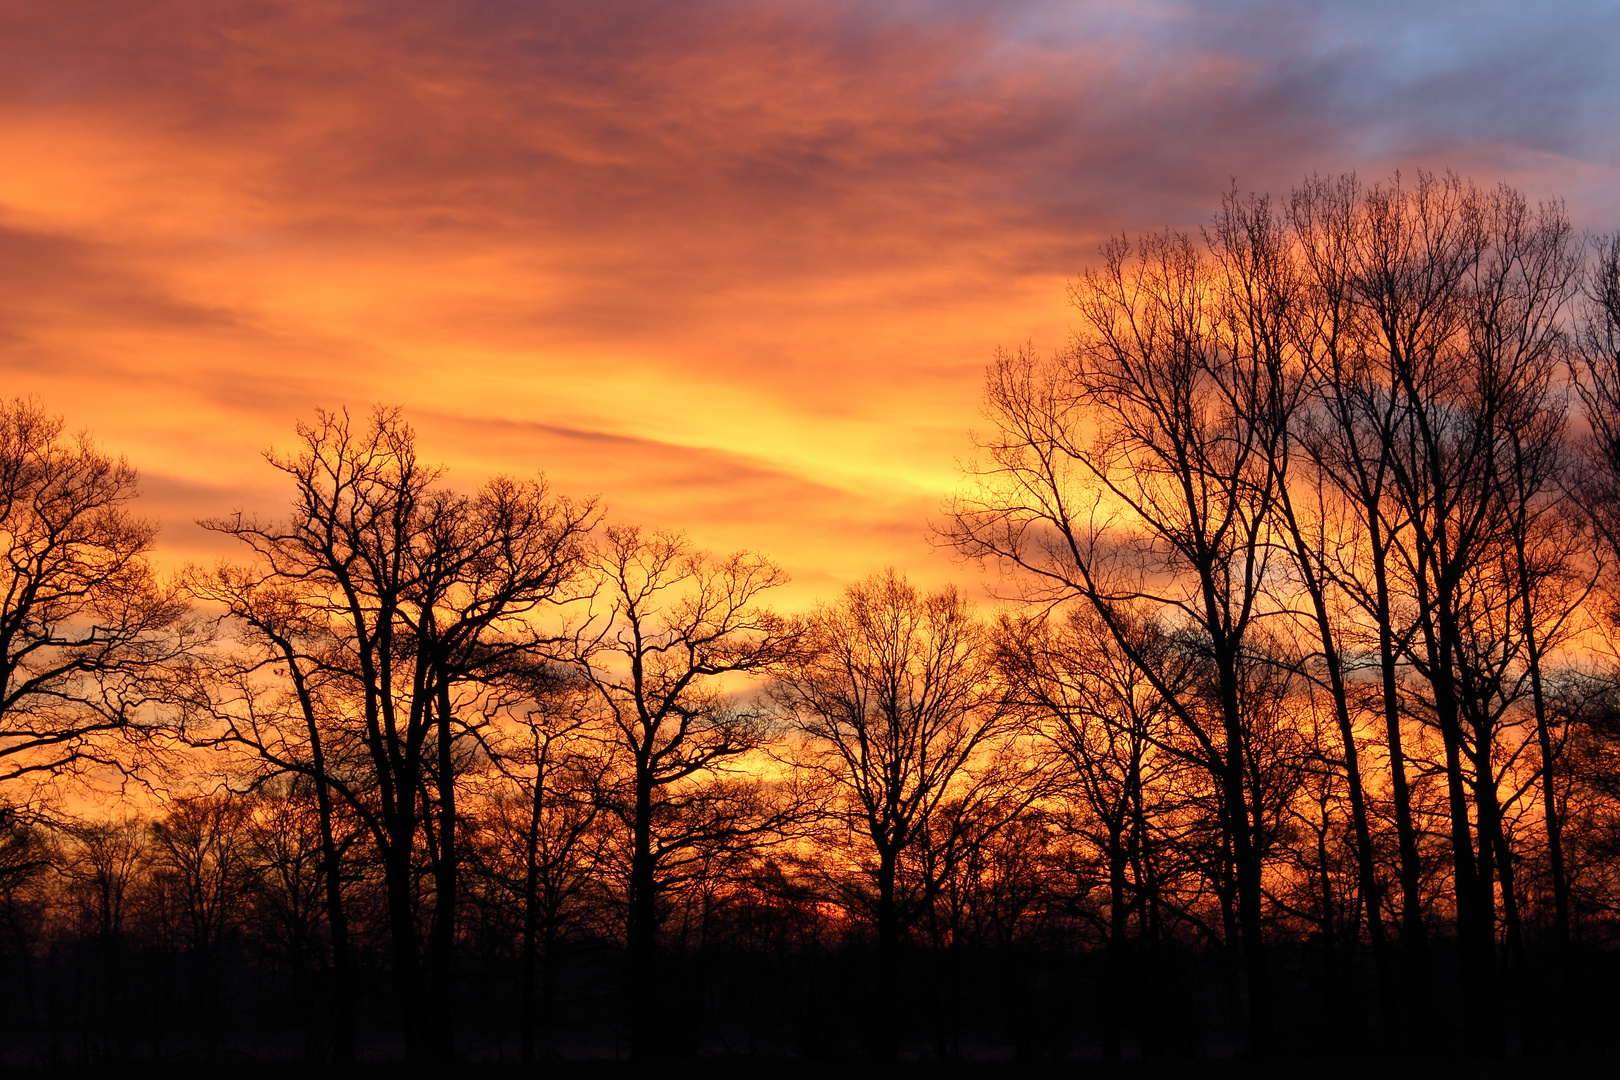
<point>734,266</point>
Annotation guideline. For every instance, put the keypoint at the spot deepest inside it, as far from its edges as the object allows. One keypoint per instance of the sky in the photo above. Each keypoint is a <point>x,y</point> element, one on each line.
<point>735,267</point>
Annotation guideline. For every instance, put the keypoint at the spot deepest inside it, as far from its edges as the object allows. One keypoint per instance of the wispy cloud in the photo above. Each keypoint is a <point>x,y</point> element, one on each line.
<point>735,266</point>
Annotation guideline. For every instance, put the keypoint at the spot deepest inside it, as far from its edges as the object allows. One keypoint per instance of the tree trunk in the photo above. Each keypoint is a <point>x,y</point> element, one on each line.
<point>531,904</point>
<point>1147,929</point>
<point>402,942</point>
<point>1246,864</point>
<point>642,936</point>
<point>442,934</point>
<point>337,920</point>
<point>884,1042</point>
<point>1388,1010</point>
<point>1114,1004</point>
<point>1332,1013</point>
<point>1475,964</point>
<point>1524,996</point>
<point>337,923</point>
<point>1549,799</point>
<point>1415,965</point>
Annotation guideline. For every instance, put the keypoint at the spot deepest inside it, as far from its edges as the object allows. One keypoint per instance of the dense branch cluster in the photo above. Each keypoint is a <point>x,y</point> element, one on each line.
<point>1297,722</point>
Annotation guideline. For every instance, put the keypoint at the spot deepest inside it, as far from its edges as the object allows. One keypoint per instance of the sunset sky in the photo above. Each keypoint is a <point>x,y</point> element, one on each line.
<point>735,267</point>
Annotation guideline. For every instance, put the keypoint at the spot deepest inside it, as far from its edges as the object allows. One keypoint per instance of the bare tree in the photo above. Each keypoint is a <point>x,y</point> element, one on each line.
<point>1110,732</point>
<point>390,604</point>
<point>84,620</point>
<point>906,727</point>
<point>105,862</point>
<point>1348,439</point>
<point>273,687</point>
<point>287,891</point>
<point>1595,366</point>
<point>543,827</point>
<point>1138,470</point>
<point>200,851</point>
<point>1457,295</point>
<point>677,623</point>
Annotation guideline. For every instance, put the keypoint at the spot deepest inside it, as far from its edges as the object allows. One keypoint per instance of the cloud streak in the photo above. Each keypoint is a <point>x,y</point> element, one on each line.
<point>737,266</point>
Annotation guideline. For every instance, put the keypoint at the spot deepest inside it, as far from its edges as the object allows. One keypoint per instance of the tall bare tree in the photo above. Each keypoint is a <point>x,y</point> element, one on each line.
<point>1456,296</point>
<point>1348,438</point>
<point>676,623</point>
<point>273,687</point>
<point>905,726</point>
<point>1138,471</point>
<point>403,602</point>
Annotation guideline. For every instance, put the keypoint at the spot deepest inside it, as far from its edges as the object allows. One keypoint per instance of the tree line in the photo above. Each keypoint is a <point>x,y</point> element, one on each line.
<point>1295,724</point>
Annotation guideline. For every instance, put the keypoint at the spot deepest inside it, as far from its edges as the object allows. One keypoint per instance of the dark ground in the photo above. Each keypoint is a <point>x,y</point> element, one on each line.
<point>789,1069</point>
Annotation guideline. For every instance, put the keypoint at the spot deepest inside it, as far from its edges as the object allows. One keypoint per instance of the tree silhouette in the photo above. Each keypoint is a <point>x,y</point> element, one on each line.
<point>675,622</point>
<point>84,620</point>
<point>390,604</point>
<point>907,729</point>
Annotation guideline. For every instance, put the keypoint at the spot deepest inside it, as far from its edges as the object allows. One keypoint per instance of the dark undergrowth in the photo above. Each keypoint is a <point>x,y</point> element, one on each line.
<point>1441,1068</point>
